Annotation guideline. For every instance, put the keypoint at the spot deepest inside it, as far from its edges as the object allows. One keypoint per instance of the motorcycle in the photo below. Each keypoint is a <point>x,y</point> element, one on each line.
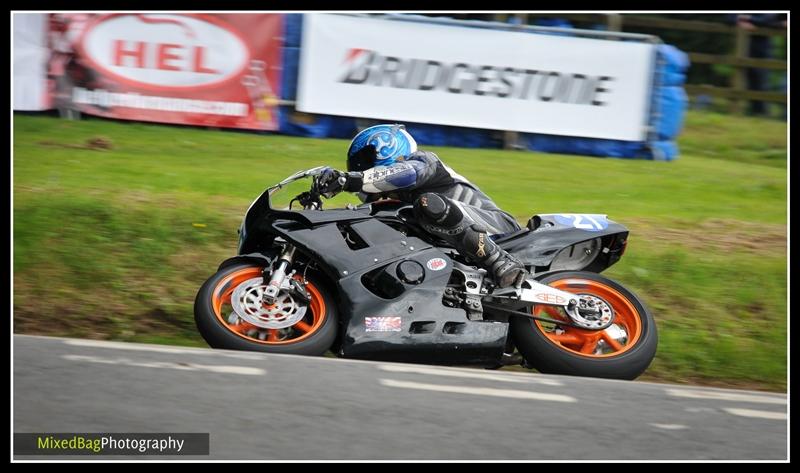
<point>368,282</point>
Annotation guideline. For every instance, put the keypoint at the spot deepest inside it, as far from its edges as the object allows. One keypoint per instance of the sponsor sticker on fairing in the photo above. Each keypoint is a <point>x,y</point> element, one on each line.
<point>383,324</point>
<point>588,222</point>
<point>436,264</point>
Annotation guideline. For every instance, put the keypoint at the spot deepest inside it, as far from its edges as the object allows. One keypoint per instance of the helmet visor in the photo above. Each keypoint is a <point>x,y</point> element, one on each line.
<point>363,159</point>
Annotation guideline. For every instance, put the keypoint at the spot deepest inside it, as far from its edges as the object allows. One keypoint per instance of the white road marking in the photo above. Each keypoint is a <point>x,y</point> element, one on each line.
<point>466,373</point>
<point>510,393</point>
<point>725,396</point>
<point>755,413</point>
<point>670,426</point>
<point>700,409</point>
<point>159,349</point>
<point>167,364</point>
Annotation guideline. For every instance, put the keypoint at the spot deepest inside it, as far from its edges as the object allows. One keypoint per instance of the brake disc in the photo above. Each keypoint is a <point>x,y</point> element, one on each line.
<point>592,313</point>
<point>247,302</point>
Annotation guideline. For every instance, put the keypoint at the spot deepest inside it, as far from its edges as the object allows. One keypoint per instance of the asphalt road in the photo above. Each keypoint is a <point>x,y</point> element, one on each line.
<point>281,407</point>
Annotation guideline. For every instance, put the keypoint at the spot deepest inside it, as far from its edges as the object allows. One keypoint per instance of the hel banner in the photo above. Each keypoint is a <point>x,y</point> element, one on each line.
<point>474,77</point>
<point>220,70</point>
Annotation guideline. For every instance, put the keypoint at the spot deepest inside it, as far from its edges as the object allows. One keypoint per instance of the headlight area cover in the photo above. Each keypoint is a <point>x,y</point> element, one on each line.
<point>577,256</point>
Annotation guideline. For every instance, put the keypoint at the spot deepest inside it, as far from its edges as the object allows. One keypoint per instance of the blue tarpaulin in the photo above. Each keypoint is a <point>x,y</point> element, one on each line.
<point>667,115</point>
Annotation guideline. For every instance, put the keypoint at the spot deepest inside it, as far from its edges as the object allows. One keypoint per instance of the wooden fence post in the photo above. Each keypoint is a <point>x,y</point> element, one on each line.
<point>739,77</point>
<point>501,17</point>
<point>614,22</point>
<point>511,138</point>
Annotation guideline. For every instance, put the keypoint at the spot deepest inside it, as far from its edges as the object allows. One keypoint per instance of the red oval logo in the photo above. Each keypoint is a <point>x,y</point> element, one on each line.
<point>436,264</point>
<point>158,51</point>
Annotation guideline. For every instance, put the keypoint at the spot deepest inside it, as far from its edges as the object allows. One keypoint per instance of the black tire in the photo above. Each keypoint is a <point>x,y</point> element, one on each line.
<point>548,356</point>
<point>219,335</point>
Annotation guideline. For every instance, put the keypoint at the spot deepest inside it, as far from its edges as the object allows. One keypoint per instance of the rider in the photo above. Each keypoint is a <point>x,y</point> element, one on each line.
<point>383,161</point>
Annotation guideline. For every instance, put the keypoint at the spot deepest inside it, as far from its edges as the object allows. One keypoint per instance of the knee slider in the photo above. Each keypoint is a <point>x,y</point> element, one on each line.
<point>436,210</point>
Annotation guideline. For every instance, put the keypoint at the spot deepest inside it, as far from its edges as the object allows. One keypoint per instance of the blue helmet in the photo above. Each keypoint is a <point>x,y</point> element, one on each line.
<point>379,145</point>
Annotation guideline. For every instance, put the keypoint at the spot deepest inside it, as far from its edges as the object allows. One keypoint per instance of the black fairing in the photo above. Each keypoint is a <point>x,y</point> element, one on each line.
<point>544,237</point>
<point>360,254</point>
<point>360,250</point>
<point>430,331</point>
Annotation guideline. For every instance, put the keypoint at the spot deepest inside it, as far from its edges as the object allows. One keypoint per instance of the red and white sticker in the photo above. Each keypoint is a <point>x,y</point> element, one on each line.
<point>436,264</point>
<point>383,324</point>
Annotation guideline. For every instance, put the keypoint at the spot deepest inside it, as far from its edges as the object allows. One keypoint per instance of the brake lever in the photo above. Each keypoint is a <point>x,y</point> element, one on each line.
<point>311,199</point>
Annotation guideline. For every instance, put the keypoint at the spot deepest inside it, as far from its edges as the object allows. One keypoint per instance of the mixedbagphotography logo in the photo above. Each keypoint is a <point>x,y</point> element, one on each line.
<point>111,444</point>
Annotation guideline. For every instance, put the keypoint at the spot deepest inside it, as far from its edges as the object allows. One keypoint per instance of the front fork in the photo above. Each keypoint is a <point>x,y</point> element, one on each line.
<point>278,274</point>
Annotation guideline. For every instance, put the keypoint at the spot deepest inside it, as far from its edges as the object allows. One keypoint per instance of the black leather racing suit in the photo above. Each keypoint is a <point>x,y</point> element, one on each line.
<point>448,205</point>
<point>423,172</point>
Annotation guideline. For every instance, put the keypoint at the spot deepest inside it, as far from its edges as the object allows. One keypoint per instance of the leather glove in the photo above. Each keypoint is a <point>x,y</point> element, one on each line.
<point>331,181</point>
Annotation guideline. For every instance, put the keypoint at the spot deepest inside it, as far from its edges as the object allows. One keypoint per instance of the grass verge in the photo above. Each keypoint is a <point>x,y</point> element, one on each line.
<point>116,225</point>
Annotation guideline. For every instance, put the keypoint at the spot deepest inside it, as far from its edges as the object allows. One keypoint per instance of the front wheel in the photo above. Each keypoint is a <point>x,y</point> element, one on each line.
<point>623,350</point>
<point>287,326</point>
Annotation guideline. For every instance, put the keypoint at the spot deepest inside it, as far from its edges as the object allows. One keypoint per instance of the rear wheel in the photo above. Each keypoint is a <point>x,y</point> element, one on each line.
<point>230,314</point>
<point>623,350</point>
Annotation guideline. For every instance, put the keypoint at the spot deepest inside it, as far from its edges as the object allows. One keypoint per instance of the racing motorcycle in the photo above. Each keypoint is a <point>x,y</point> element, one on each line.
<point>368,282</point>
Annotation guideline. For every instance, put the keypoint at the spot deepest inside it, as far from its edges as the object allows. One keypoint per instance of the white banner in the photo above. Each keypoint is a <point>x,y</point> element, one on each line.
<point>471,77</point>
<point>30,60</point>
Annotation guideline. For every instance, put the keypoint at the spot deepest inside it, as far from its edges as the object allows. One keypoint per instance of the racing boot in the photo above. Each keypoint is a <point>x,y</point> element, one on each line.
<point>505,268</point>
<point>438,216</point>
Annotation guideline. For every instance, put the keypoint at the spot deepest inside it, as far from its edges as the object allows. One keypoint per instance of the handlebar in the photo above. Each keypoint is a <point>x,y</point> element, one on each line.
<point>310,200</point>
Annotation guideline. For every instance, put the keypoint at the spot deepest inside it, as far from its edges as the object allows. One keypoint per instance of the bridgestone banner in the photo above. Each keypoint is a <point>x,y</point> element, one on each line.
<point>473,77</point>
<point>219,70</point>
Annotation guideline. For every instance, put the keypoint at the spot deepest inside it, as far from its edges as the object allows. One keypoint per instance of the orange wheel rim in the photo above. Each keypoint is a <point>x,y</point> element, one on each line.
<point>586,342</point>
<point>301,330</point>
